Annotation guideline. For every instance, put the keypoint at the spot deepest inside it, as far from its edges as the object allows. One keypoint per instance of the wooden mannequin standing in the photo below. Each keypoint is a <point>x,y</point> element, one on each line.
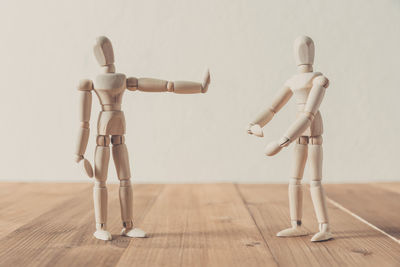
<point>110,87</point>
<point>309,89</point>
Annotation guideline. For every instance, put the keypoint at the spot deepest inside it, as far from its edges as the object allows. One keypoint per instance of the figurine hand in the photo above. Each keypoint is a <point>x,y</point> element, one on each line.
<point>272,148</point>
<point>255,129</point>
<point>206,82</point>
<point>275,147</point>
<point>85,165</point>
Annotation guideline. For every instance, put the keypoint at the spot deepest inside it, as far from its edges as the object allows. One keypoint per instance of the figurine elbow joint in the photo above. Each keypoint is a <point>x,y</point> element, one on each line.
<point>309,115</point>
<point>170,86</point>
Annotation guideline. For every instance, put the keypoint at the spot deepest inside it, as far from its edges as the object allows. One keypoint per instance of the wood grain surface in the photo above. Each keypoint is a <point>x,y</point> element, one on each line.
<point>50,224</point>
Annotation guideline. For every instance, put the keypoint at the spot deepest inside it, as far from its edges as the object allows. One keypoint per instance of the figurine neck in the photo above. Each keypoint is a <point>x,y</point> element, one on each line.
<point>304,68</point>
<point>109,68</point>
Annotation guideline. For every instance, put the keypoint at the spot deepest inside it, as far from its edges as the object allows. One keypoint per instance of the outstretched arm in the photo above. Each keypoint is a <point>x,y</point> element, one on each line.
<point>85,87</point>
<point>178,87</point>
<point>280,99</point>
<point>314,100</point>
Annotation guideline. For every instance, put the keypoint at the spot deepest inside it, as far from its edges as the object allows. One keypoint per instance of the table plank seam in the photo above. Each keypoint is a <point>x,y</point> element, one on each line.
<point>142,219</point>
<point>255,223</point>
<point>339,206</point>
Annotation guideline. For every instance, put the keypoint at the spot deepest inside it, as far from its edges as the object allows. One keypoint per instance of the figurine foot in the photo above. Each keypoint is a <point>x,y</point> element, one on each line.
<point>135,232</point>
<point>323,235</point>
<point>294,231</point>
<point>102,235</point>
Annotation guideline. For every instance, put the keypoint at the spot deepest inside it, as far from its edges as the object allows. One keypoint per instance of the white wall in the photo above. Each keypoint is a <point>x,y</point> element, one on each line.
<point>46,47</point>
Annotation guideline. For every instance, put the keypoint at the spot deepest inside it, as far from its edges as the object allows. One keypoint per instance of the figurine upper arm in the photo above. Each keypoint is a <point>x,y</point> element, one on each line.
<point>281,98</point>
<point>320,83</point>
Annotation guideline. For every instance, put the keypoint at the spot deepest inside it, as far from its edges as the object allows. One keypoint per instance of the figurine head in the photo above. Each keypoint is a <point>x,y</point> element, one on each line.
<point>103,51</point>
<point>304,50</point>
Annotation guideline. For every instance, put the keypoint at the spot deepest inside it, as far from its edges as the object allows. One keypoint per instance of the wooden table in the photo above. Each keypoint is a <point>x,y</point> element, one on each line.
<point>50,224</point>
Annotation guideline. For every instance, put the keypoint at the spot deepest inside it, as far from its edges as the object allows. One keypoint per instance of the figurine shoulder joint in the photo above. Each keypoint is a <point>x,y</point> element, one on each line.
<point>85,85</point>
<point>132,83</point>
<point>321,81</point>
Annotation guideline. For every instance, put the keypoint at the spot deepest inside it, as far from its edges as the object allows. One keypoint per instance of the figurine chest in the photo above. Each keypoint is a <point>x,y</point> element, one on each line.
<point>112,82</point>
<point>110,87</point>
<point>301,94</point>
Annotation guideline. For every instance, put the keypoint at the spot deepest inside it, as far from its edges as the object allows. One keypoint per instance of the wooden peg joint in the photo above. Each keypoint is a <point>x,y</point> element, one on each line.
<point>302,140</point>
<point>316,140</point>
<point>170,86</point>
<point>117,139</point>
<point>132,83</point>
<point>103,140</point>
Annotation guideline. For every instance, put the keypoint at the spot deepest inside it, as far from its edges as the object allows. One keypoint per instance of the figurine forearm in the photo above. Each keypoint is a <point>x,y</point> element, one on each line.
<point>280,99</point>
<point>307,116</point>
<point>85,97</point>
<point>263,118</point>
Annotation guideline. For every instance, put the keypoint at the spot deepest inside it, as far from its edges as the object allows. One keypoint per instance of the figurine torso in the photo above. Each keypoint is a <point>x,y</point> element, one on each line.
<point>301,85</point>
<point>110,88</point>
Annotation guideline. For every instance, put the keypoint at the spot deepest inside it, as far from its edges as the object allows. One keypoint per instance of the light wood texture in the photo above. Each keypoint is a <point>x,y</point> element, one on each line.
<point>193,225</point>
<point>23,202</point>
<point>62,235</point>
<point>377,204</point>
<point>354,243</point>
<point>199,225</point>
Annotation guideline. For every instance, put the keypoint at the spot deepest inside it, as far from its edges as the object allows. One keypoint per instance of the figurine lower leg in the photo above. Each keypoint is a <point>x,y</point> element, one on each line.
<point>102,157</point>
<point>296,190</point>
<point>121,160</point>
<point>317,192</point>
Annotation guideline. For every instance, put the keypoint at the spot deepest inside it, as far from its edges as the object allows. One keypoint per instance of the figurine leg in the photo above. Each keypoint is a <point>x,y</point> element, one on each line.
<point>317,192</point>
<point>296,190</point>
<point>121,160</point>
<point>102,157</point>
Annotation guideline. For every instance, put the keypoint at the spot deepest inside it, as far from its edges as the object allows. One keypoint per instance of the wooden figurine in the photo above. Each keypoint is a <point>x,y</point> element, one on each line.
<point>110,87</point>
<point>309,89</point>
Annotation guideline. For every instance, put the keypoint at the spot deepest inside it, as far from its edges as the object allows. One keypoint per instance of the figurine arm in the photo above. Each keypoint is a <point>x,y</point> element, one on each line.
<point>280,99</point>
<point>314,100</point>
<point>85,87</point>
<point>178,87</point>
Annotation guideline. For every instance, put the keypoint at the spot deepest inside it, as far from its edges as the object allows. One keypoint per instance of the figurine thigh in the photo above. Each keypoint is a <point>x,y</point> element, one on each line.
<point>317,191</point>
<point>121,157</point>
<point>295,187</point>
<point>121,160</point>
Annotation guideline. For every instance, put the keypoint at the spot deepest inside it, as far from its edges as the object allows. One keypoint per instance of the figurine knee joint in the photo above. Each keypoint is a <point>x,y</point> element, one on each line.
<point>295,181</point>
<point>315,183</point>
<point>302,140</point>
<point>103,140</point>
<point>316,140</point>
<point>125,183</point>
<point>117,139</point>
<point>99,183</point>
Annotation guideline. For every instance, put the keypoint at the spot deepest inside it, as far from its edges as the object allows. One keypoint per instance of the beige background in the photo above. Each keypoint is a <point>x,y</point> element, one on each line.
<point>46,47</point>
